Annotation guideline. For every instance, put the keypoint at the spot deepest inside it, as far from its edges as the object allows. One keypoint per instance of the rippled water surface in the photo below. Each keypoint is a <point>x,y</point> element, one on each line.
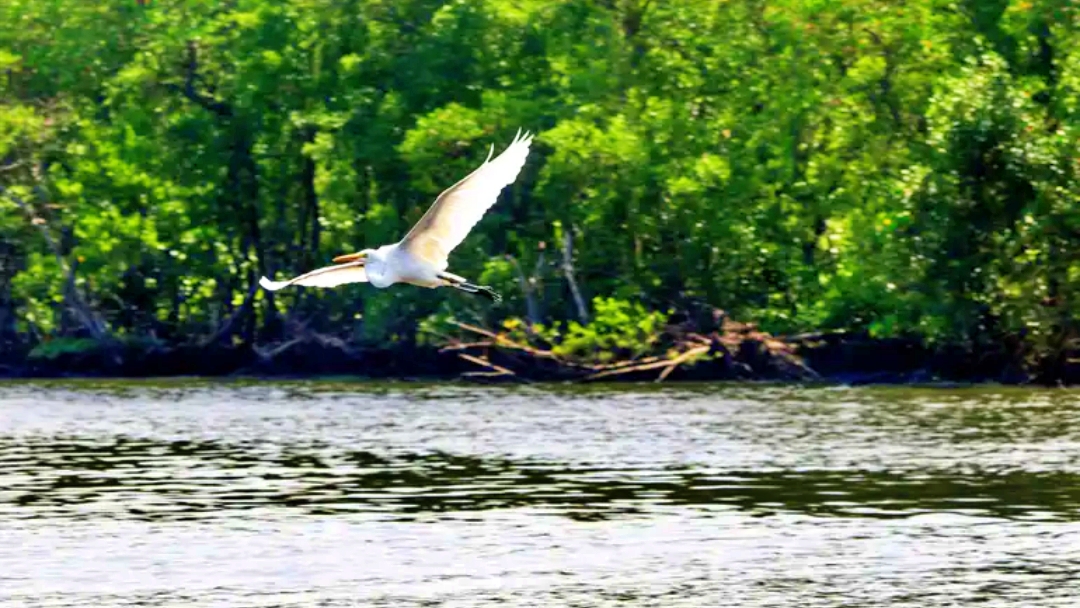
<point>353,494</point>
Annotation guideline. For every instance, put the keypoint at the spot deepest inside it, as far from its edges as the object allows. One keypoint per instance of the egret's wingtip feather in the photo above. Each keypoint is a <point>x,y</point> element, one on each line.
<point>525,138</point>
<point>458,208</point>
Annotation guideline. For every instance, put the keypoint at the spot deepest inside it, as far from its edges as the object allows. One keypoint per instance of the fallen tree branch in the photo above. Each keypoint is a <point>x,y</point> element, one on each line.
<point>664,363</point>
<point>301,329</point>
<point>741,351</point>
<point>683,358</point>
<point>628,363</point>
<point>502,340</point>
<point>502,371</point>
<point>466,345</point>
<point>269,355</point>
<point>699,338</point>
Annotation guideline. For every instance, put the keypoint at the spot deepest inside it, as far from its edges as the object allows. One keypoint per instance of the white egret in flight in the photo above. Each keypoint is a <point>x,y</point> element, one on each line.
<point>421,257</point>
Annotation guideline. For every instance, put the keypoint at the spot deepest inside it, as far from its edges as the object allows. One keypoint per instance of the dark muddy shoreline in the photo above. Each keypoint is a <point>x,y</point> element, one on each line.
<point>832,359</point>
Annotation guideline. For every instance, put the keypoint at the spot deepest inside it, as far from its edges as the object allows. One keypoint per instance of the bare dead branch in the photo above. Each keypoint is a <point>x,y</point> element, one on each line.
<point>226,327</point>
<point>532,308</point>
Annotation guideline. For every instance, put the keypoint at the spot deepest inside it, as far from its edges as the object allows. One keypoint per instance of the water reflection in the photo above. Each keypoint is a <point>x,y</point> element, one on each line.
<point>185,479</point>
<point>338,494</point>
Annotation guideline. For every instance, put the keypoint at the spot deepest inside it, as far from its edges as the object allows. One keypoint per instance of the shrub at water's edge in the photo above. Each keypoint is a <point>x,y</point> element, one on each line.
<point>623,341</point>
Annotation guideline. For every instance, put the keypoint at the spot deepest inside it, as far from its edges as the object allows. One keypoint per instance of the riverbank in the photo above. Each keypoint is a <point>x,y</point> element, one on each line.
<point>732,352</point>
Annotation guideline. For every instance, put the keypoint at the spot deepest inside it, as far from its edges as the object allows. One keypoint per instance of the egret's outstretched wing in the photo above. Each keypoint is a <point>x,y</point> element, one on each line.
<point>457,210</point>
<point>329,276</point>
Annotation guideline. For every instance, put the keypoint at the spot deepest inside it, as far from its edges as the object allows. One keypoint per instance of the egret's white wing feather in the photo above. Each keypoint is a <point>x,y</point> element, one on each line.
<point>329,276</point>
<point>457,210</point>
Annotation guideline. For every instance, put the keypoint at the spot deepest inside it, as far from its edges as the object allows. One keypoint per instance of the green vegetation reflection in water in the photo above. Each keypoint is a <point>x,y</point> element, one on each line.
<point>922,451</point>
<point>72,477</point>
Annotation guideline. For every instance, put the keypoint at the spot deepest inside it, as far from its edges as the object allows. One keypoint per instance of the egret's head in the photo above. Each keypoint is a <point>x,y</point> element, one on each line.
<point>352,257</point>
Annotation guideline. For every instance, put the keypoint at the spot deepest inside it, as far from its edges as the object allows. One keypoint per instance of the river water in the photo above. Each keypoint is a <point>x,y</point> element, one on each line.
<point>197,493</point>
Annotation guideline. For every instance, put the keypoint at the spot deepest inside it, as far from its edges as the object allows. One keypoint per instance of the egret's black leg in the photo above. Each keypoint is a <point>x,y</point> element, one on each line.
<point>460,283</point>
<point>485,291</point>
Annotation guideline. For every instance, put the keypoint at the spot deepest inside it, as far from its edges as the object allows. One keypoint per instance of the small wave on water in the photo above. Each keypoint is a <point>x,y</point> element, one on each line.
<point>124,477</point>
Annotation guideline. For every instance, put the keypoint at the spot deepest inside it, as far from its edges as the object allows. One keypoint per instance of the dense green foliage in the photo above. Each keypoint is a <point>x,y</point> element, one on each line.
<point>895,167</point>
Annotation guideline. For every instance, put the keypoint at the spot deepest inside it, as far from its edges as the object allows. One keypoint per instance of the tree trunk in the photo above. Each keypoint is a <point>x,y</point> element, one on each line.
<point>568,272</point>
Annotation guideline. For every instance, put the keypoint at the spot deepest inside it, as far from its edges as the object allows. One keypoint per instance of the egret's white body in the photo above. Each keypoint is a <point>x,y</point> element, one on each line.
<point>421,258</point>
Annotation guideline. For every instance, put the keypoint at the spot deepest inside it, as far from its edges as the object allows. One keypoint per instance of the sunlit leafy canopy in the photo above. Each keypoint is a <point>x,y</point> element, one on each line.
<point>896,167</point>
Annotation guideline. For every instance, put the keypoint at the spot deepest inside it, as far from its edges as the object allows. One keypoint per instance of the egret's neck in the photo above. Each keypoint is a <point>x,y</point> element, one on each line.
<point>378,268</point>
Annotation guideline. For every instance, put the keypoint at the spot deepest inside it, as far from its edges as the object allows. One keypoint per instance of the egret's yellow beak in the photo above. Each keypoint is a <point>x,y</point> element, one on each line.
<point>349,257</point>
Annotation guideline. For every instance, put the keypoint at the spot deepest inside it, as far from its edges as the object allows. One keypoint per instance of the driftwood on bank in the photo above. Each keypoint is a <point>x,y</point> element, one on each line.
<point>302,335</point>
<point>733,351</point>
